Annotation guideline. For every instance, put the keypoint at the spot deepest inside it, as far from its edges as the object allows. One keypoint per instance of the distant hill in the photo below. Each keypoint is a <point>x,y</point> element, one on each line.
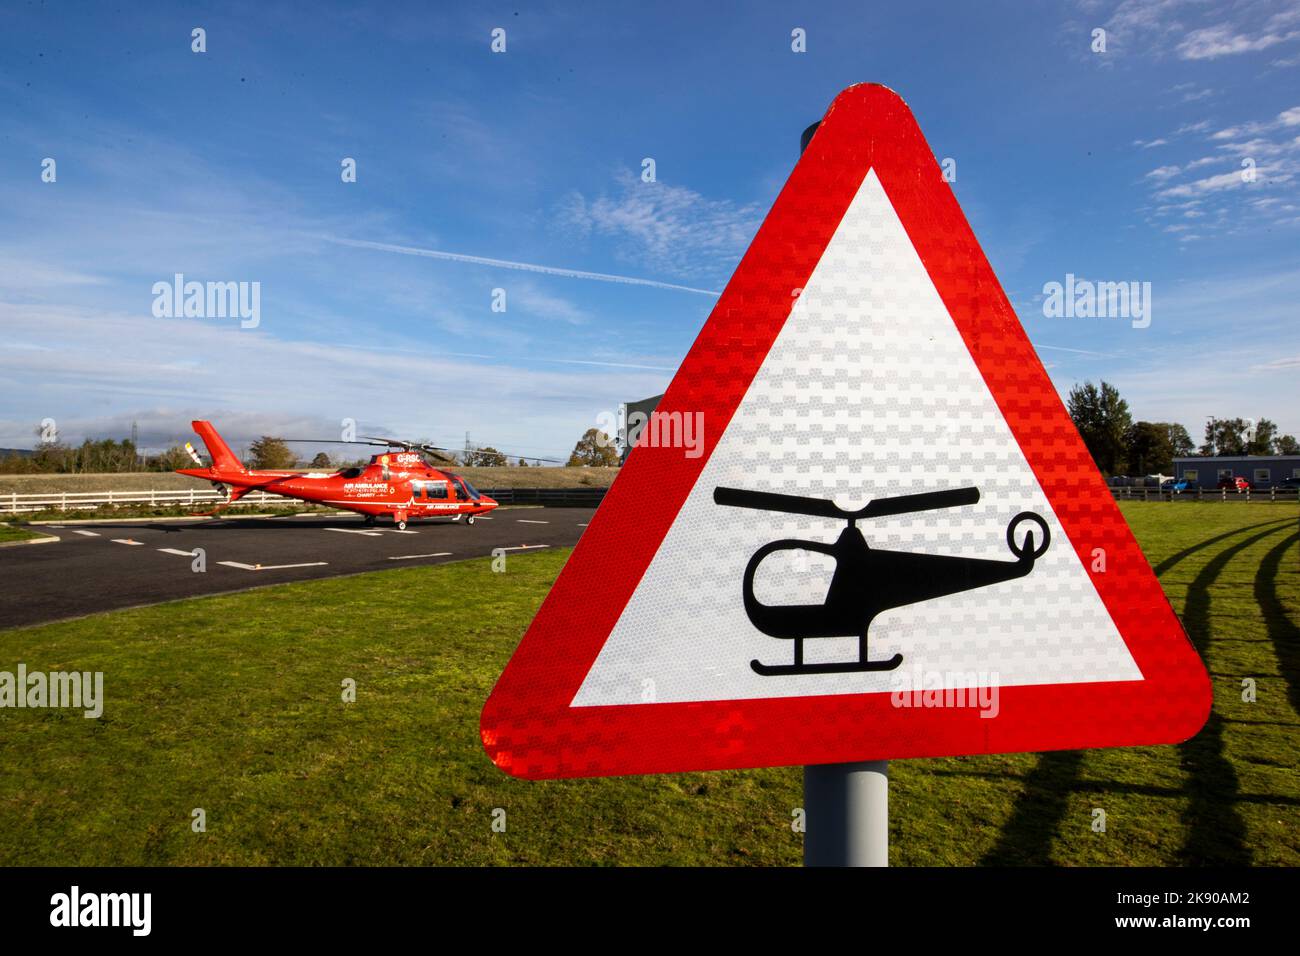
<point>20,452</point>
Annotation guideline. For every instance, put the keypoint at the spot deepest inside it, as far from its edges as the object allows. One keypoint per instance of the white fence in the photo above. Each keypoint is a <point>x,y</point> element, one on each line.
<point>14,503</point>
<point>1205,494</point>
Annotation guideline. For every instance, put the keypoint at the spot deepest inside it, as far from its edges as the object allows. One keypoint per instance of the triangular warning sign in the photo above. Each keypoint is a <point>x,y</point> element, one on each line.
<point>890,542</point>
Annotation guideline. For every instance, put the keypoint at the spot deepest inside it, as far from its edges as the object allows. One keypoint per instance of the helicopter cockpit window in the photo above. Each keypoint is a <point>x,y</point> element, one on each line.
<point>464,489</point>
<point>352,472</point>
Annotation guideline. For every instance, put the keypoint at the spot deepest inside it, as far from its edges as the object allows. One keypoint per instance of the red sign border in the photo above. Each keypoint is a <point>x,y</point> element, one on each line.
<point>528,727</point>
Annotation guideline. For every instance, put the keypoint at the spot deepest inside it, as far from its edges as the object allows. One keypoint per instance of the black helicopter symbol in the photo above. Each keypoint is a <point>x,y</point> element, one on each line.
<point>867,582</point>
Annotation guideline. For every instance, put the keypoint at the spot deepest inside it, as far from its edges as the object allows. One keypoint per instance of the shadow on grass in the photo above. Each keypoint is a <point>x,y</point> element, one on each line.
<point>1026,837</point>
<point>1216,833</point>
<point>1282,631</point>
<point>1173,559</point>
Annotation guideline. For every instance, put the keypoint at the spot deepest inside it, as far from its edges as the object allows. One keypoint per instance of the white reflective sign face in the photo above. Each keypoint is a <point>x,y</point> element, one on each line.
<point>868,392</point>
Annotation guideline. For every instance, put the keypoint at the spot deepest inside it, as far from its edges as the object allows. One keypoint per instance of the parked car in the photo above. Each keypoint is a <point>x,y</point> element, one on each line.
<point>1175,485</point>
<point>1288,484</point>
<point>1236,483</point>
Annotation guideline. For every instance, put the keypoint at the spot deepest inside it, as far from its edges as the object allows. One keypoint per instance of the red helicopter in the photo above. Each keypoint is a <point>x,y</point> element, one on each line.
<point>398,483</point>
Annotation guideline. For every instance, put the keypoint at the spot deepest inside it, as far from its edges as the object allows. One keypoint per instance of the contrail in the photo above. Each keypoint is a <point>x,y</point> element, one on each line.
<point>1062,348</point>
<point>533,358</point>
<point>507,264</point>
<point>511,358</point>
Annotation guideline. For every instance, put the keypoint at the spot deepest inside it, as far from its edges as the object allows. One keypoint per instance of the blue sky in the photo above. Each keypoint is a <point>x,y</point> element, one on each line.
<point>225,166</point>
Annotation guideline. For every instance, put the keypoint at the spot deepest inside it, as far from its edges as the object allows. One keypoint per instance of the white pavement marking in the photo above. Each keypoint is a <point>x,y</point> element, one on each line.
<point>183,554</point>
<point>530,521</point>
<point>368,534</point>
<point>88,534</point>
<point>270,567</point>
<point>127,541</point>
<point>408,557</point>
<point>523,547</point>
<point>396,531</point>
<point>582,524</point>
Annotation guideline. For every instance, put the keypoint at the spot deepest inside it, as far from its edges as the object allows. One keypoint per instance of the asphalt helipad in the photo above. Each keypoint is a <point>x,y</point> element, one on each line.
<point>109,565</point>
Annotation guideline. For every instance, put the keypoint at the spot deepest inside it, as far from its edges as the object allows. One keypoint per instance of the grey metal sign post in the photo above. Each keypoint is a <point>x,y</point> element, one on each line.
<point>846,805</point>
<point>846,814</point>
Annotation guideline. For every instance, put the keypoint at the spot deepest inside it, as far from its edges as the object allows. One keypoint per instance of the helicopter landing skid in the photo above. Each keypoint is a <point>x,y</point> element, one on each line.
<point>841,667</point>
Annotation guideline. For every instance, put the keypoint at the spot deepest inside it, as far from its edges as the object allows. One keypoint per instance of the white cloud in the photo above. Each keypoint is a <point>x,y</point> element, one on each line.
<point>1209,184</point>
<point>184,368</point>
<point>1161,173</point>
<point>1258,148</point>
<point>1291,361</point>
<point>1222,40</point>
<point>529,298</point>
<point>668,228</point>
<point>1195,30</point>
<point>1254,145</point>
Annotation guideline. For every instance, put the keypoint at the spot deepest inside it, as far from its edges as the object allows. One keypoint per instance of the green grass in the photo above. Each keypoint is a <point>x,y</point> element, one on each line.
<point>10,532</point>
<point>232,704</point>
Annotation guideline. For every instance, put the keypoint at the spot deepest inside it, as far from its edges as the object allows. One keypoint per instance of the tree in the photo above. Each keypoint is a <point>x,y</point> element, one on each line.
<point>594,448</point>
<point>487,457</point>
<point>172,459</point>
<point>1180,441</point>
<point>51,456</point>
<point>523,462</point>
<point>1261,442</point>
<point>268,452</point>
<point>1148,448</point>
<point>1225,436</point>
<point>322,460</point>
<point>17,463</point>
<point>105,455</point>
<point>1103,420</point>
<point>1287,445</point>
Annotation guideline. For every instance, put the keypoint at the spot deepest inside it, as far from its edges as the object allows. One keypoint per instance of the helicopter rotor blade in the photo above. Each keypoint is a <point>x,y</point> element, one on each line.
<point>926,501</point>
<point>409,446</point>
<point>825,508</point>
<point>772,501</point>
<point>335,441</point>
<point>390,442</point>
